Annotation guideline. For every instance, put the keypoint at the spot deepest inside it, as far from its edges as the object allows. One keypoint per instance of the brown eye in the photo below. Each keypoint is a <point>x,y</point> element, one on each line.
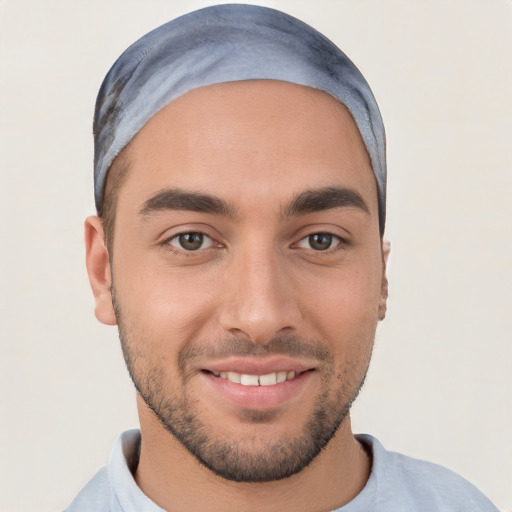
<point>191,241</point>
<point>319,241</point>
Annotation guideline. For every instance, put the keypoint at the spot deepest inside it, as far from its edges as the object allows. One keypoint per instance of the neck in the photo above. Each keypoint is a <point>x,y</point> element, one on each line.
<point>171,477</point>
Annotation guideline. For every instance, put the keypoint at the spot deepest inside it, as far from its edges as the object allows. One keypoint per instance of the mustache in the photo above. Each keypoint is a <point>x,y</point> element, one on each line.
<point>291,346</point>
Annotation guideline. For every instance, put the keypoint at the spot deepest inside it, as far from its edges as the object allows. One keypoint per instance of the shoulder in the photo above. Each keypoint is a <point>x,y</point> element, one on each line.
<point>414,484</point>
<point>113,487</point>
<point>96,495</point>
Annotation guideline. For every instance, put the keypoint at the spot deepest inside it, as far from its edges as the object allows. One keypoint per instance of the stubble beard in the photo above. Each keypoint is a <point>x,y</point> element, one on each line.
<point>237,459</point>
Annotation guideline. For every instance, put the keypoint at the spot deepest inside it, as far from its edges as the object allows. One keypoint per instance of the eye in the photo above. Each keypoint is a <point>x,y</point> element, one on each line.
<point>319,241</point>
<point>191,241</point>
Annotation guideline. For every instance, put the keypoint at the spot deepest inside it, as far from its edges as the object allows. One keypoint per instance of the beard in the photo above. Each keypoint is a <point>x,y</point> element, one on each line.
<point>251,457</point>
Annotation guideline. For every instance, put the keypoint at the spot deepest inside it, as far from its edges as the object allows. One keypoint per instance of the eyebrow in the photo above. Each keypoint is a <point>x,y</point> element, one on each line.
<point>326,198</point>
<point>309,201</point>
<point>177,199</point>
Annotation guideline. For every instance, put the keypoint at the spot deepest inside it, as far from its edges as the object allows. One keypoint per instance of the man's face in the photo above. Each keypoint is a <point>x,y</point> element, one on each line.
<point>246,252</point>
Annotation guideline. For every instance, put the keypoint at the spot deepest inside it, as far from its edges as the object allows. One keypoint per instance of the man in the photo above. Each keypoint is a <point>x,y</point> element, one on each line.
<point>240,188</point>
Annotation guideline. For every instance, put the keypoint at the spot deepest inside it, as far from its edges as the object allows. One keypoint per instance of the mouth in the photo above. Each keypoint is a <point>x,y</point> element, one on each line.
<point>268,379</point>
<point>258,385</point>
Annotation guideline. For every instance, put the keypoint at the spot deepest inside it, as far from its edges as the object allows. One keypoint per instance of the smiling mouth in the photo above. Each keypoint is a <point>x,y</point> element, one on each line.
<point>269,379</point>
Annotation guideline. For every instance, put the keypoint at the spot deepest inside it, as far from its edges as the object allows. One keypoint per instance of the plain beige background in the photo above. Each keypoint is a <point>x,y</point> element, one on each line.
<point>440,384</point>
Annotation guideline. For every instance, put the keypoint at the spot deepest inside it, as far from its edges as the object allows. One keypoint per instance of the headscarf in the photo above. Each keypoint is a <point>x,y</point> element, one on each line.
<point>226,43</point>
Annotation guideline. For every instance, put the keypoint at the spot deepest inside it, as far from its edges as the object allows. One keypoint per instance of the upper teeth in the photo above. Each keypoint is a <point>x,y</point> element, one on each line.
<point>256,380</point>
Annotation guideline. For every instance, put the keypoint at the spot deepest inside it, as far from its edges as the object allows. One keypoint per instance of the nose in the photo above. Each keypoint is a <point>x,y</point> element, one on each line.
<point>259,301</point>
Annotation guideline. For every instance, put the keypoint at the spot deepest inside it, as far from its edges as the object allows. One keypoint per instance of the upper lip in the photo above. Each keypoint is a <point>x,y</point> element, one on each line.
<point>258,365</point>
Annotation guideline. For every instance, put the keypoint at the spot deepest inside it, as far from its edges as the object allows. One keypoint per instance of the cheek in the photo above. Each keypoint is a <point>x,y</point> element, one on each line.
<point>160,303</point>
<point>344,307</point>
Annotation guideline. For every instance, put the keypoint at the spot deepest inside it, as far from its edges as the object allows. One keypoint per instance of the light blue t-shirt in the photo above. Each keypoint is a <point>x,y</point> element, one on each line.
<point>397,484</point>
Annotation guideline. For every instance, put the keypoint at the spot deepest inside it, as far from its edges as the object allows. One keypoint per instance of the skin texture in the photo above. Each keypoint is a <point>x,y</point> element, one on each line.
<point>259,287</point>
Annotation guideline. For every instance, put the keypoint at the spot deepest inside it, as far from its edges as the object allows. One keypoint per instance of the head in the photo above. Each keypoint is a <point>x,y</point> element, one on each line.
<point>244,269</point>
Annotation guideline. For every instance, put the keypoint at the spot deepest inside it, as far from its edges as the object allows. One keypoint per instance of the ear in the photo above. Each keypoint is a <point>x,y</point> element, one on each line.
<point>383,304</point>
<point>98,269</point>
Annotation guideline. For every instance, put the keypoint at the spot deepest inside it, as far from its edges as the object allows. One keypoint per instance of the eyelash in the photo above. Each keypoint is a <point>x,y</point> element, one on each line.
<point>182,251</point>
<point>340,243</point>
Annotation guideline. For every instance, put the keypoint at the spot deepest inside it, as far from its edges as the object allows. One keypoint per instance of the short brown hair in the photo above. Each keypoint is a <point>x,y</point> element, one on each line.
<point>116,176</point>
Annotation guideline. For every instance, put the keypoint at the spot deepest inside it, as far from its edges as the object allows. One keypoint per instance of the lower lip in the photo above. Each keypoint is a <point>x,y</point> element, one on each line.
<point>258,397</point>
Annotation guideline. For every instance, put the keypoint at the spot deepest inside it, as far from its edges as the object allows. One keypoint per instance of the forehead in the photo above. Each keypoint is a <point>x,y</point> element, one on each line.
<point>252,137</point>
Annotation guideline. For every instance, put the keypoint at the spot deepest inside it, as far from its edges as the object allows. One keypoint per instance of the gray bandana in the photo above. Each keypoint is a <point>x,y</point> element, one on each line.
<point>227,43</point>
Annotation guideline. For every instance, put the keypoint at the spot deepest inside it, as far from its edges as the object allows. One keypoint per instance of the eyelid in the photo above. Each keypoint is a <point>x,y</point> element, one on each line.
<point>171,232</point>
<point>340,231</point>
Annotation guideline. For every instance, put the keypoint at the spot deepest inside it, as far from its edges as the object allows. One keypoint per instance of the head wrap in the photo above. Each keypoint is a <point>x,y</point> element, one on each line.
<point>227,43</point>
